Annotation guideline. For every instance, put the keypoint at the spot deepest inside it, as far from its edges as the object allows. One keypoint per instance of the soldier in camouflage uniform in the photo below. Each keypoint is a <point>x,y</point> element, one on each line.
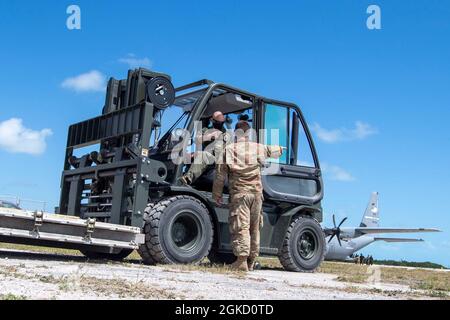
<point>242,162</point>
<point>207,156</point>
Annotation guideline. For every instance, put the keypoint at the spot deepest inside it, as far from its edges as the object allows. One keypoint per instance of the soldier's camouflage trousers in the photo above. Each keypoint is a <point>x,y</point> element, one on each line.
<point>245,221</point>
<point>202,160</point>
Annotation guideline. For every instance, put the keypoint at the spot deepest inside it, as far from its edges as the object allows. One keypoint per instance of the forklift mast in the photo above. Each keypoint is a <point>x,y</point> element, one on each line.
<point>112,184</point>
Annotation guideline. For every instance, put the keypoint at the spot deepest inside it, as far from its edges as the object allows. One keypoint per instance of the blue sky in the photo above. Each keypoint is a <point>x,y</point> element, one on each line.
<point>378,100</point>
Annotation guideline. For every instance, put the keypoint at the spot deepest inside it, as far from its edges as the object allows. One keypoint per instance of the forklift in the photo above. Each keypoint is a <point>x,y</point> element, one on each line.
<point>120,188</point>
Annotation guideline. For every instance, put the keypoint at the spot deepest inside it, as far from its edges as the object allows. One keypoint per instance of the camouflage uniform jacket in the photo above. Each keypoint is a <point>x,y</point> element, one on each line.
<point>242,163</point>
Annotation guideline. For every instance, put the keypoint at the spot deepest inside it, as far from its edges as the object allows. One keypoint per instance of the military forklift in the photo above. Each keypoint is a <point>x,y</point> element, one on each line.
<point>120,188</point>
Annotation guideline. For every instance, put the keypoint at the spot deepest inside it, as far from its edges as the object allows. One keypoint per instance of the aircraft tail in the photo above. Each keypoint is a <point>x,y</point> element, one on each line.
<point>371,216</point>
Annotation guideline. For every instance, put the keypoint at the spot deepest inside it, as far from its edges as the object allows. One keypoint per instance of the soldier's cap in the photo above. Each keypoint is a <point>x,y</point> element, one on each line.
<point>243,117</point>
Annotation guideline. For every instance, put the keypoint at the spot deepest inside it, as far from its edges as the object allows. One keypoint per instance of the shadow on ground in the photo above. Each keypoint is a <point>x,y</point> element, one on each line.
<point>41,256</point>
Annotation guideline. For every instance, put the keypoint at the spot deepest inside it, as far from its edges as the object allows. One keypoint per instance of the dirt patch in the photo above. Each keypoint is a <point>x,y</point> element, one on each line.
<point>126,289</point>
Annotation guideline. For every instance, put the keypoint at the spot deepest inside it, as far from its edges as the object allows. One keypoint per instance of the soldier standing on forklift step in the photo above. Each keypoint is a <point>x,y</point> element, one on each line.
<point>242,162</point>
<point>205,158</point>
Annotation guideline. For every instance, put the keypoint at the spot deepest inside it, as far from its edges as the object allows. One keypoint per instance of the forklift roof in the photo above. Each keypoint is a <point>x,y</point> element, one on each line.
<point>227,103</point>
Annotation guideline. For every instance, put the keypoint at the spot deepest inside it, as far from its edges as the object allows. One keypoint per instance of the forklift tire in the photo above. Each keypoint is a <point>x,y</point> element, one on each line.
<point>95,255</point>
<point>143,250</point>
<point>221,258</point>
<point>179,230</point>
<point>304,246</point>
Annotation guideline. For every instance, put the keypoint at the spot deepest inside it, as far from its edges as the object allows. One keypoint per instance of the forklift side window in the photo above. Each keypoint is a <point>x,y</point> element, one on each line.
<point>233,118</point>
<point>277,126</point>
<point>303,157</point>
<point>284,128</point>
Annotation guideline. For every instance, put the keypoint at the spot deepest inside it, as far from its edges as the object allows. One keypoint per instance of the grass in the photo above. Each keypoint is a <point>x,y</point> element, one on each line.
<point>125,289</point>
<point>404,263</point>
<point>346,272</point>
<point>46,250</point>
<point>11,296</point>
<point>55,251</point>
<point>418,278</point>
<point>421,279</point>
<point>204,266</point>
<point>108,287</point>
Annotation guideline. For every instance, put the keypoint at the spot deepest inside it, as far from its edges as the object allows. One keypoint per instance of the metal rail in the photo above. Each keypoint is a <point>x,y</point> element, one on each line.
<point>65,231</point>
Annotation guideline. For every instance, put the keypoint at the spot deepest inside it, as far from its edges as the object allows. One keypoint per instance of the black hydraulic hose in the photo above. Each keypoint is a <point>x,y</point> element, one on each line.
<point>167,134</point>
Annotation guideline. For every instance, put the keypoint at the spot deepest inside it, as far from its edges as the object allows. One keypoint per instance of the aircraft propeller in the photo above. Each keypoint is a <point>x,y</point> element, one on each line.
<point>336,231</point>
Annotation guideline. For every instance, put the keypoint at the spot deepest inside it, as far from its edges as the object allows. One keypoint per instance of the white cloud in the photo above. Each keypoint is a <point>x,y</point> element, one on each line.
<point>93,81</point>
<point>15,138</point>
<point>361,131</point>
<point>336,173</point>
<point>134,62</point>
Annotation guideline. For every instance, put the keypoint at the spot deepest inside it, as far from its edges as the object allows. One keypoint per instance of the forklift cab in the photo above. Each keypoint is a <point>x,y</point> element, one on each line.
<point>294,178</point>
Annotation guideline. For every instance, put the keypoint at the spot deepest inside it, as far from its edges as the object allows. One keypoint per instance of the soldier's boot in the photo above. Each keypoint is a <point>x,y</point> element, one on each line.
<point>251,262</point>
<point>240,264</point>
<point>185,180</point>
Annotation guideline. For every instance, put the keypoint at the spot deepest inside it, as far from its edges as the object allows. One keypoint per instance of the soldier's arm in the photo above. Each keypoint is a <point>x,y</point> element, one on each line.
<point>273,152</point>
<point>211,135</point>
<point>219,181</point>
<point>199,139</point>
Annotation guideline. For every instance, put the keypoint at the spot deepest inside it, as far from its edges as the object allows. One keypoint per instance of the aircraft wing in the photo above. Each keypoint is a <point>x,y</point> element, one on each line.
<point>398,240</point>
<point>364,230</point>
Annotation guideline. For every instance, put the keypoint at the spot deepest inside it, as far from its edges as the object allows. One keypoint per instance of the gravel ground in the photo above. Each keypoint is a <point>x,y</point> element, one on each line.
<point>26,275</point>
